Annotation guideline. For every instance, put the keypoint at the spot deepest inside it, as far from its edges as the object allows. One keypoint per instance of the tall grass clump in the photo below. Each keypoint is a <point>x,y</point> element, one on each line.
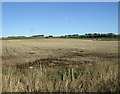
<point>100,77</point>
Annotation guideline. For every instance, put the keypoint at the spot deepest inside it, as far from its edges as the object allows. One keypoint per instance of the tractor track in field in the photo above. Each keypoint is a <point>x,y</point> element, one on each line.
<point>69,60</point>
<point>55,52</point>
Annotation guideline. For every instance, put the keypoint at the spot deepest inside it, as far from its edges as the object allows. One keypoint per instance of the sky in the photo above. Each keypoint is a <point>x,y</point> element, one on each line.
<point>58,18</point>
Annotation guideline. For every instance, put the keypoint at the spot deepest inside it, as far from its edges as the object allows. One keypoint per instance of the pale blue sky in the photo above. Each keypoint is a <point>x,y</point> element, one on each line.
<point>60,18</point>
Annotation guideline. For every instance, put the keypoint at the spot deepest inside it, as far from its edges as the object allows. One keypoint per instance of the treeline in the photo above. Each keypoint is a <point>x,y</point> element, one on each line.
<point>24,37</point>
<point>89,35</point>
<point>94,35</point>
<point>16,37</point>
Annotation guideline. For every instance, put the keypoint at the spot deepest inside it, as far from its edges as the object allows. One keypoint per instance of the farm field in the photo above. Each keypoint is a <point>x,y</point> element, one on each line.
<point>59,65</point>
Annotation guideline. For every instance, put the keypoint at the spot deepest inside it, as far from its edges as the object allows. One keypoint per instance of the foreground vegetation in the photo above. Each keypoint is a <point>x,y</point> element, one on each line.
<point>100,77</point>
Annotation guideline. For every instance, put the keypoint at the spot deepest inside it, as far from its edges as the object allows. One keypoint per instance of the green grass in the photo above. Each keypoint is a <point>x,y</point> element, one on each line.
<point>110,39</point>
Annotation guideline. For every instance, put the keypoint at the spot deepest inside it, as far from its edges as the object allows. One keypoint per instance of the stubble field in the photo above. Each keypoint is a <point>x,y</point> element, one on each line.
<point>59,65</point>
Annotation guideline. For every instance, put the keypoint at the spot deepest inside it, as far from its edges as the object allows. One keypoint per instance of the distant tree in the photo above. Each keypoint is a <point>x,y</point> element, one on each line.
<point>46,37</point>
<point>50,36</point>
<point>110,35</point>
<point>38,36</point>
<point>69,35</point>
<point>75,35</point>
<point>61,36</point>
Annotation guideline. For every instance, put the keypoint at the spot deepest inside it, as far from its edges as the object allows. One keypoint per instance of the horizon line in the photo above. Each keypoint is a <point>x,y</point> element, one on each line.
<point>56,35</point>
